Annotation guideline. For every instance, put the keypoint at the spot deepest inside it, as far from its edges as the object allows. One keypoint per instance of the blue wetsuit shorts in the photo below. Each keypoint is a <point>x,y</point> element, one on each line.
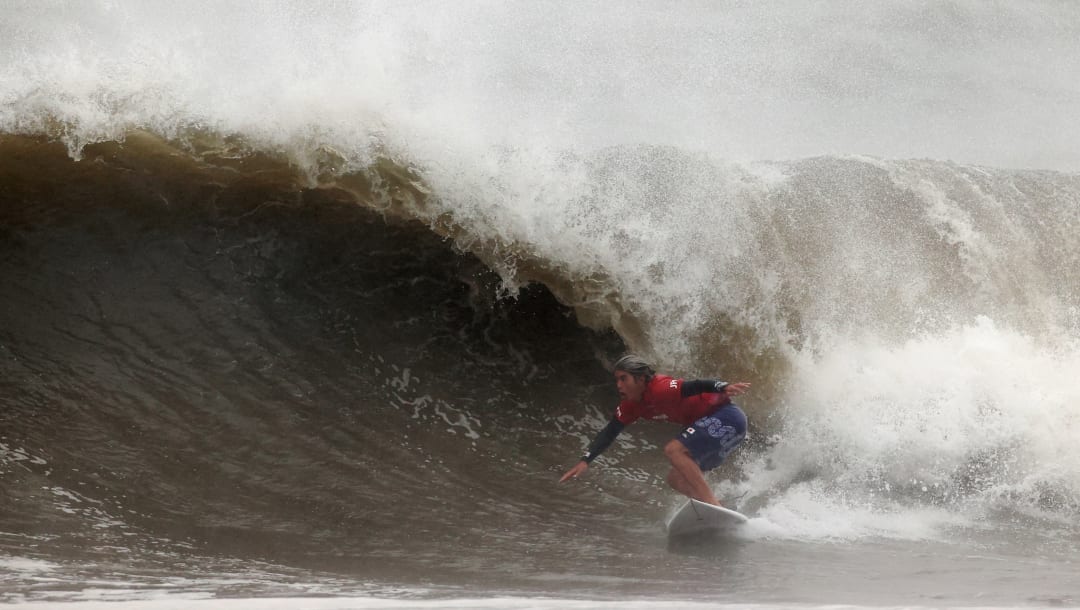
<point>711,438</point>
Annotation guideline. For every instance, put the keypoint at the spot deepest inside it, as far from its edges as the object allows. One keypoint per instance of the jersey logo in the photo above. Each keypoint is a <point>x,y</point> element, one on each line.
<point>674,383</point>
<point>690,430</point>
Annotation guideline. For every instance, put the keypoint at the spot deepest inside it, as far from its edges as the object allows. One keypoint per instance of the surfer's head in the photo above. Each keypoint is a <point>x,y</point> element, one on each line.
<point>632,374</point>
<point>635,365</point>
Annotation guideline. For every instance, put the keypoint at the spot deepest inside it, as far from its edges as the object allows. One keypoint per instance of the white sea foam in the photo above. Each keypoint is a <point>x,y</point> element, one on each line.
<point>24,565</point>
<point>12,455</point>
<point>910,440</point>
<point>509,603</point>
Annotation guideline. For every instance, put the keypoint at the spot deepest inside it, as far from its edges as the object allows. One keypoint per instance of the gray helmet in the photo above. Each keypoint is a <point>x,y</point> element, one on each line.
<point>635,365</point>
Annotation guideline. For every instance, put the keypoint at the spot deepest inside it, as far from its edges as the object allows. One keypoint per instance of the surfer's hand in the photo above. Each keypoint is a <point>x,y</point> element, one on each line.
<point>734,389</point>
<point>578,468</point>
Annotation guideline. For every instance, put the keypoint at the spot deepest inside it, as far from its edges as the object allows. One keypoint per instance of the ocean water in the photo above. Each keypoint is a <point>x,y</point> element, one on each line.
<point>308,305</point>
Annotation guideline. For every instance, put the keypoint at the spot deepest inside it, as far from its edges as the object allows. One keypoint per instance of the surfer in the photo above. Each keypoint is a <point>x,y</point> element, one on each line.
<point>713,425</point>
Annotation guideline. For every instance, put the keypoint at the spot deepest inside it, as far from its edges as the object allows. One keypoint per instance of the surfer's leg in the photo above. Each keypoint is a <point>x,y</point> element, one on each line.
<point>678,483</point>
<point>702,447</point>
<point>684,464</point>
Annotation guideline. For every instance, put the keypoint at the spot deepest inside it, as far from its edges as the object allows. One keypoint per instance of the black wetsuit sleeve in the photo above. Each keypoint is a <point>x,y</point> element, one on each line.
<point>603,440</point>
<point>701,386</point>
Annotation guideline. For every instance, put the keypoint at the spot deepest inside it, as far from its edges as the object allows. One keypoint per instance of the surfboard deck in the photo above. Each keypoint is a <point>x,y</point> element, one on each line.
<point>698,517</point>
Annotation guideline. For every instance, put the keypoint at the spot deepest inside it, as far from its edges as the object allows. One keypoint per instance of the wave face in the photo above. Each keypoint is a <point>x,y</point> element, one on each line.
<point>195,364</point>
<point>287,285</point>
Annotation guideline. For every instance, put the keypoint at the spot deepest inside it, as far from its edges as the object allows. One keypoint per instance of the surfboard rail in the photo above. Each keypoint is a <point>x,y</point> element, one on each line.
<point>698,517</point>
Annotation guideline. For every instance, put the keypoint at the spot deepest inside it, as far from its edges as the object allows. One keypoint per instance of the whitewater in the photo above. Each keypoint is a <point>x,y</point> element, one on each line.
<point>318,299</point>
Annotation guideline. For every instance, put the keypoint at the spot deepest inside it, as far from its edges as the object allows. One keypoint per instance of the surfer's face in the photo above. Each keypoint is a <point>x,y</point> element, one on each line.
<point>630,387</point>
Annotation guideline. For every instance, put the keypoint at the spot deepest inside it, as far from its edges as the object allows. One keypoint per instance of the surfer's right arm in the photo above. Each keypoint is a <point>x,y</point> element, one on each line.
<point>602,441</point>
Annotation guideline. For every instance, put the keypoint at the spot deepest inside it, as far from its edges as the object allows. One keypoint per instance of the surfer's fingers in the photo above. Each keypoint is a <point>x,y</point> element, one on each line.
<point>573,472</point>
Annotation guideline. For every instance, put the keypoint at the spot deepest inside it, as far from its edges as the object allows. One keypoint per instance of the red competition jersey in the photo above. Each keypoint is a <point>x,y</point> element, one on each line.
<point>663,400</point>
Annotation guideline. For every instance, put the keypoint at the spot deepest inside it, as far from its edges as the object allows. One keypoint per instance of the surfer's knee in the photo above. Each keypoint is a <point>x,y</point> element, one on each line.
<point>675,449</point>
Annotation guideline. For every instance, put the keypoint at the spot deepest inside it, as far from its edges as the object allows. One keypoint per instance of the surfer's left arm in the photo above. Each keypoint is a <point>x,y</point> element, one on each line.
<point>701,386</point>
<point>602,441</point>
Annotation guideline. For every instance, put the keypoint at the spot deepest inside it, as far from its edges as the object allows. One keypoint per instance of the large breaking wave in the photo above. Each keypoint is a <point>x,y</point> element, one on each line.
<point>259,258</point>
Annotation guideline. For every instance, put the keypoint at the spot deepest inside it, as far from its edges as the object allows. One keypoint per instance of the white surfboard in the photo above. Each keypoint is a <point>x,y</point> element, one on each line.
<point>698,517</point>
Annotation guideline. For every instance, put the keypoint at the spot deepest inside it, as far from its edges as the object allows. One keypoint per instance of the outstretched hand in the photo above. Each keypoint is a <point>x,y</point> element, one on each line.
<point>578,468</point>
<point>734,389</point>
